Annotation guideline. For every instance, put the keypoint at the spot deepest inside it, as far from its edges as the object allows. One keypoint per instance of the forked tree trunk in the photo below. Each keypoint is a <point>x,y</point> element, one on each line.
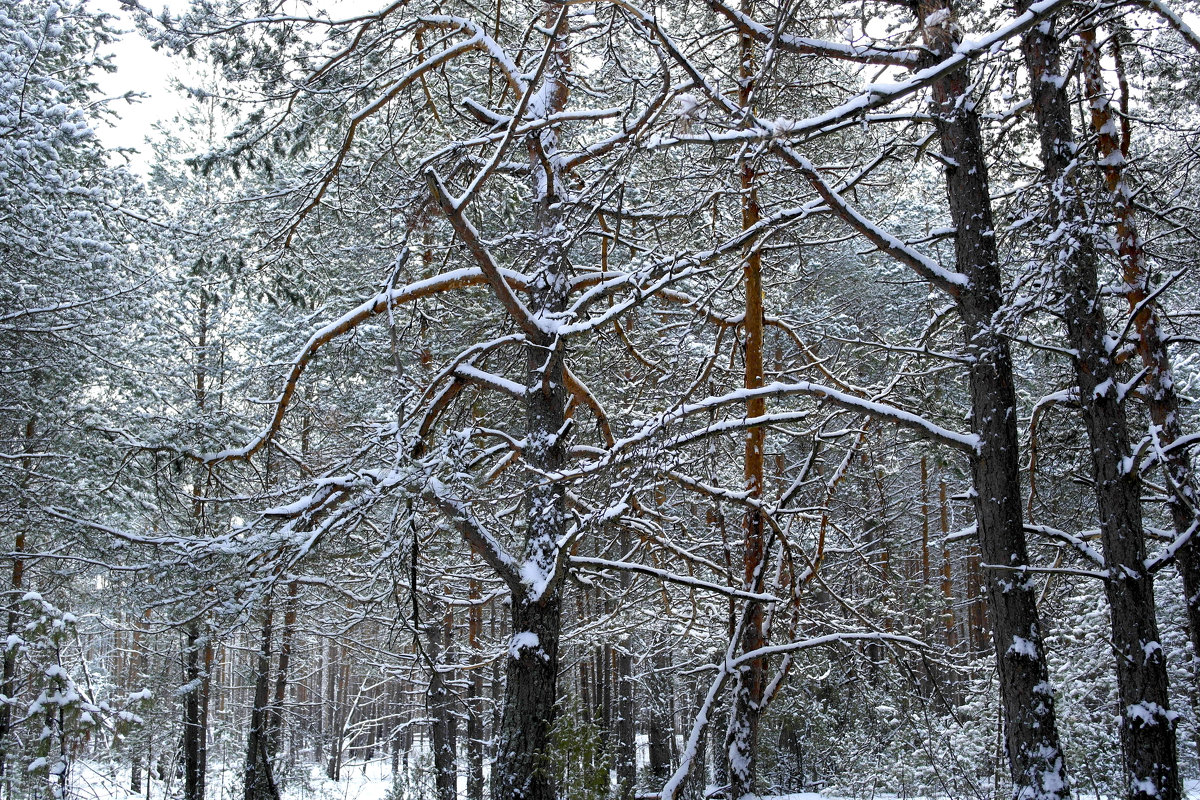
<point>1147,726</point>
<point>521,771</point>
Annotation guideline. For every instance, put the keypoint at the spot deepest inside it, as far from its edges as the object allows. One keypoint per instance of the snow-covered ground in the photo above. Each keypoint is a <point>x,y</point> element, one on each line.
<point>369,781</point>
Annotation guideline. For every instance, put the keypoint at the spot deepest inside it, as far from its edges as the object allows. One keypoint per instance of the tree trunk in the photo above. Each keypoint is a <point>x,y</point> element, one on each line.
<point>275,715</point>
<point>1147,726</point>
<point>1030,727</point>
<point>660,727</point>
<point>195,719</point>
<point>259,783</point>
<point>531,671</point>
<point>8,679</point>
<point>742,738</point>
<point>475,700</point>
<point>440,704</point>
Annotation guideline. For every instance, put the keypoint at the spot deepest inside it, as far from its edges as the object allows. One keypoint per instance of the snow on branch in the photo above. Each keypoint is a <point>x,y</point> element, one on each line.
<point>671,577</point>
<point>820,641</point>
<point>948,281</point>
<point>475,534</point>
<point>446,281</point>
<point>1173,19</point>
<point>480,377</point>
<point>808,46</point>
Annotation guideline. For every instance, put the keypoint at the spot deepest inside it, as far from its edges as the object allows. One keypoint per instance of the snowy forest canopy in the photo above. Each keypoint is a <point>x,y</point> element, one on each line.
<point>603,399</point>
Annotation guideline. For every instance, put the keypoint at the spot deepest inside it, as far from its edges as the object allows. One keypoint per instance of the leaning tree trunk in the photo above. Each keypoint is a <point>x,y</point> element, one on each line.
<point>1147,726</point>
<point>1030,727</point>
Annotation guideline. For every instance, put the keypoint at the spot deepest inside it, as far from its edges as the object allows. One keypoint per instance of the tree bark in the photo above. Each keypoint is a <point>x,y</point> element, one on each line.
<point>259,782</point>
<point>1030,726</point>
<point>1147,726</point>
<point>742,738</point>
<point>195,733</point>
<point>440,703</point>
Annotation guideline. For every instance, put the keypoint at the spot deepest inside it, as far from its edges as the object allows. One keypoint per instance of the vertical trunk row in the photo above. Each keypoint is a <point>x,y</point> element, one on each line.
<point>625,759</point>
<point>1147,726</point>
<point>742,739</point>
<point>1030,726</point>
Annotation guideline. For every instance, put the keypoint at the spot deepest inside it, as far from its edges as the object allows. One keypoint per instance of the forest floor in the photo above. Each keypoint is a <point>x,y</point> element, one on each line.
<point>359,781</point>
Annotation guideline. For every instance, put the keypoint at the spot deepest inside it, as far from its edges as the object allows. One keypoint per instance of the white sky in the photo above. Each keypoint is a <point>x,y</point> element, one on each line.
<point>139,69</point>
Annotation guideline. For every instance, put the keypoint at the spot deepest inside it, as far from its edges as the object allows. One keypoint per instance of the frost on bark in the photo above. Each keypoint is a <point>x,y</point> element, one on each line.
<point>1146,723</point>
<point>1030,727</point>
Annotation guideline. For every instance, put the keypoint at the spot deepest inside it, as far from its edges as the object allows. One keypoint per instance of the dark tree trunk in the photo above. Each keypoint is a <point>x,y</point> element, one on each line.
<point>1147,726</point>
<point>625,722</point>
<point>275,715</point>
<point>660,725</point>
<point>195,733</point>
<point>440,703</point>
<point>475,700</point>
<point>532,672</point>
<point>1030,727</point>
<point>259,782</point>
